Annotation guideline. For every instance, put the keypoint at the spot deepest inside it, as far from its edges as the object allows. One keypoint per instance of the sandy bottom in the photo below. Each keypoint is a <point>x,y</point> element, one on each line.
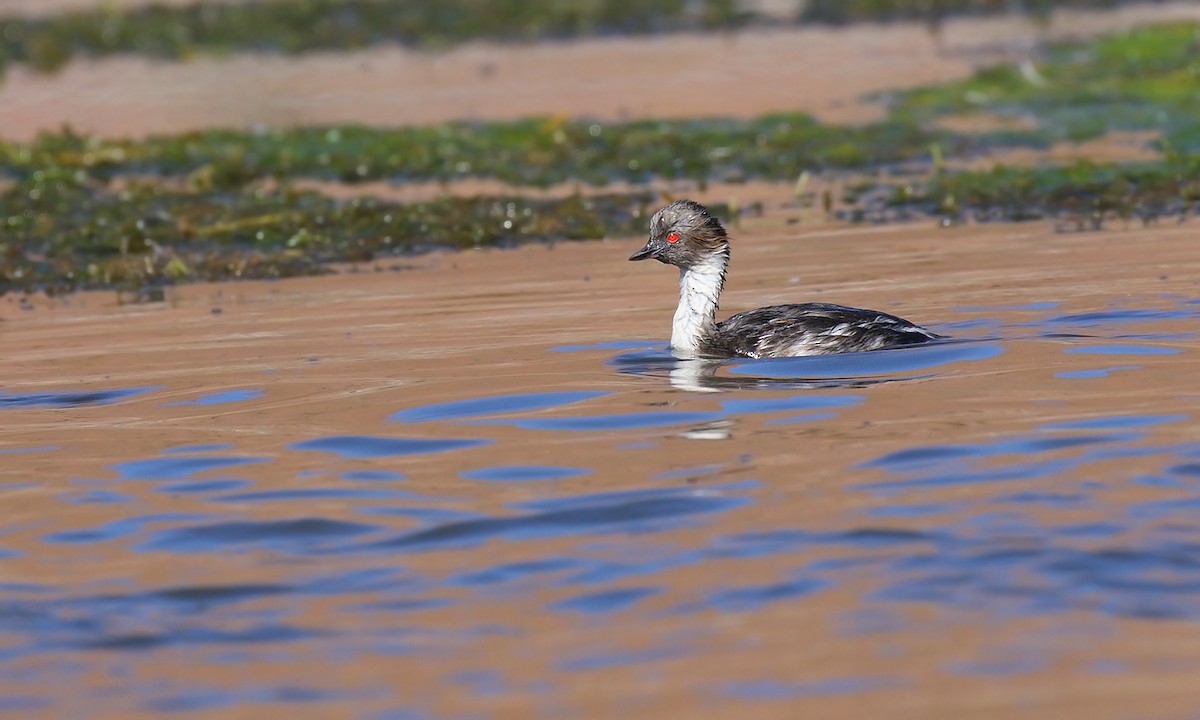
<point>848,558</point>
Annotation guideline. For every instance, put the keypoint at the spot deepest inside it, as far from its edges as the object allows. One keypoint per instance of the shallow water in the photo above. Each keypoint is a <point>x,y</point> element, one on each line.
<point>390,497</point>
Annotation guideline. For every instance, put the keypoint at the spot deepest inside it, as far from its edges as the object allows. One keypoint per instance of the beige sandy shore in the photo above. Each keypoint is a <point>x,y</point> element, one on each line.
<point>820,70</point>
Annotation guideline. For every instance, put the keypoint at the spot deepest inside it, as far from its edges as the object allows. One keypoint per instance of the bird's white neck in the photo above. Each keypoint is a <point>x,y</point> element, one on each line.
<point>699,290</point>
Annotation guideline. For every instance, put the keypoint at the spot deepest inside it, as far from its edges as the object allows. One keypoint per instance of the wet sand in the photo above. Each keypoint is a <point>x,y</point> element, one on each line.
<point>335,356</point>
<point>827,72</point>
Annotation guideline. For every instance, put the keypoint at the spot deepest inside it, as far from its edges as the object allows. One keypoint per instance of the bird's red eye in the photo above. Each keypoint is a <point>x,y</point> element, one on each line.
<point>673,237</point>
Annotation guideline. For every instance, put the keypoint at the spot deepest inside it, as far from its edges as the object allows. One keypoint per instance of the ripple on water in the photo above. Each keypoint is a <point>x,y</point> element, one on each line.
<point>1122,349</point>
<point>70,398</point>
<point>606,601</point>
<point>1096,373</point>
<point>210,447</point>
<point>774,690</point>
<point>220,398</point>
<point>176,468</point>
<point>497,405</point>
<point>866,364</point>
<point>520,473</point>
<point>1115,422</point>
<point>295,536</point>
<point>619,512</point>
<point>118,529</point>
<point>366,446</point>
<point>1119,315</point>
<point>668,418</point>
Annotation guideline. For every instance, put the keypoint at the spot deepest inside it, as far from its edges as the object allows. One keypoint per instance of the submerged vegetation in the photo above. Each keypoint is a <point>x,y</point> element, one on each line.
<point>78,211</point>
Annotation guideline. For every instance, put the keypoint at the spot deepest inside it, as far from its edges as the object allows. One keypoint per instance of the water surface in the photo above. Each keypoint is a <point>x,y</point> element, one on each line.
<point>535,516</point>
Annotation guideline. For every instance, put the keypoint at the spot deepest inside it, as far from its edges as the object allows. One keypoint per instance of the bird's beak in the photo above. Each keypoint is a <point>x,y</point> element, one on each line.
<point>645,252</point>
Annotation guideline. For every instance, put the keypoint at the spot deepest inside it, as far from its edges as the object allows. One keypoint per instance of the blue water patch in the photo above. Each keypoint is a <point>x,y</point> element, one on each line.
<point>515,572</point>
<point>1122,349</point>
<point>668,418</point>
<point>279,694</point>
<point>625,421</point>
<point>773,690</point>
<point>294,494</point>
<point>1096,373</point>
<point>210,447</point>
<point>205,486</point>
<point>921,457</point>
<point>366,446</point>
<point>1117,315</point>
<point>299,535</point>
<point>606,601</point>
<point>28,450</point>
<point>98,497</point>
<point>600,661</point>
<point>1001,667</point>
<point>519,473</point>
<point>266,633</point>
<point>220,398</point>
<point>23,703</point>
<point>483,683</point>
<point>1115,422</point>
<point>614,513</point>
<point>176,468</point>
<point>1046,499</point>
<point>117,529</point>
<point>913,510</point>
<point>69,398</point>
<point>749,598</point>
<point>492,406</point>
<point>877,362</point>
<point>372,476</point>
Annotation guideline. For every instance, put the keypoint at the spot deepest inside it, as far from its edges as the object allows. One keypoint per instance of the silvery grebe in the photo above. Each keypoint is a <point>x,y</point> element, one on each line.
<point>684,234</point>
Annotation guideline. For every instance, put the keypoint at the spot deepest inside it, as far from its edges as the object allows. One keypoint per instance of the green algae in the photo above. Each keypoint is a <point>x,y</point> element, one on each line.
<point>1080,196</point>
<point>1144,79</point>
<point>80,211</point>
<point>62,232</point>
<point>534,152</point>
<point>299,26</point>
<point>848,11</point>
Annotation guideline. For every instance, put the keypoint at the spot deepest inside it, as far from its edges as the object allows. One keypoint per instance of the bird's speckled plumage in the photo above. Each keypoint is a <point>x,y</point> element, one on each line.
<point>684,234</point>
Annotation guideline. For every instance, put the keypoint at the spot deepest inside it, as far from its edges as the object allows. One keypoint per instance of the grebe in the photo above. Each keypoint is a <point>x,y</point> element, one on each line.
<point>685,235</point>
